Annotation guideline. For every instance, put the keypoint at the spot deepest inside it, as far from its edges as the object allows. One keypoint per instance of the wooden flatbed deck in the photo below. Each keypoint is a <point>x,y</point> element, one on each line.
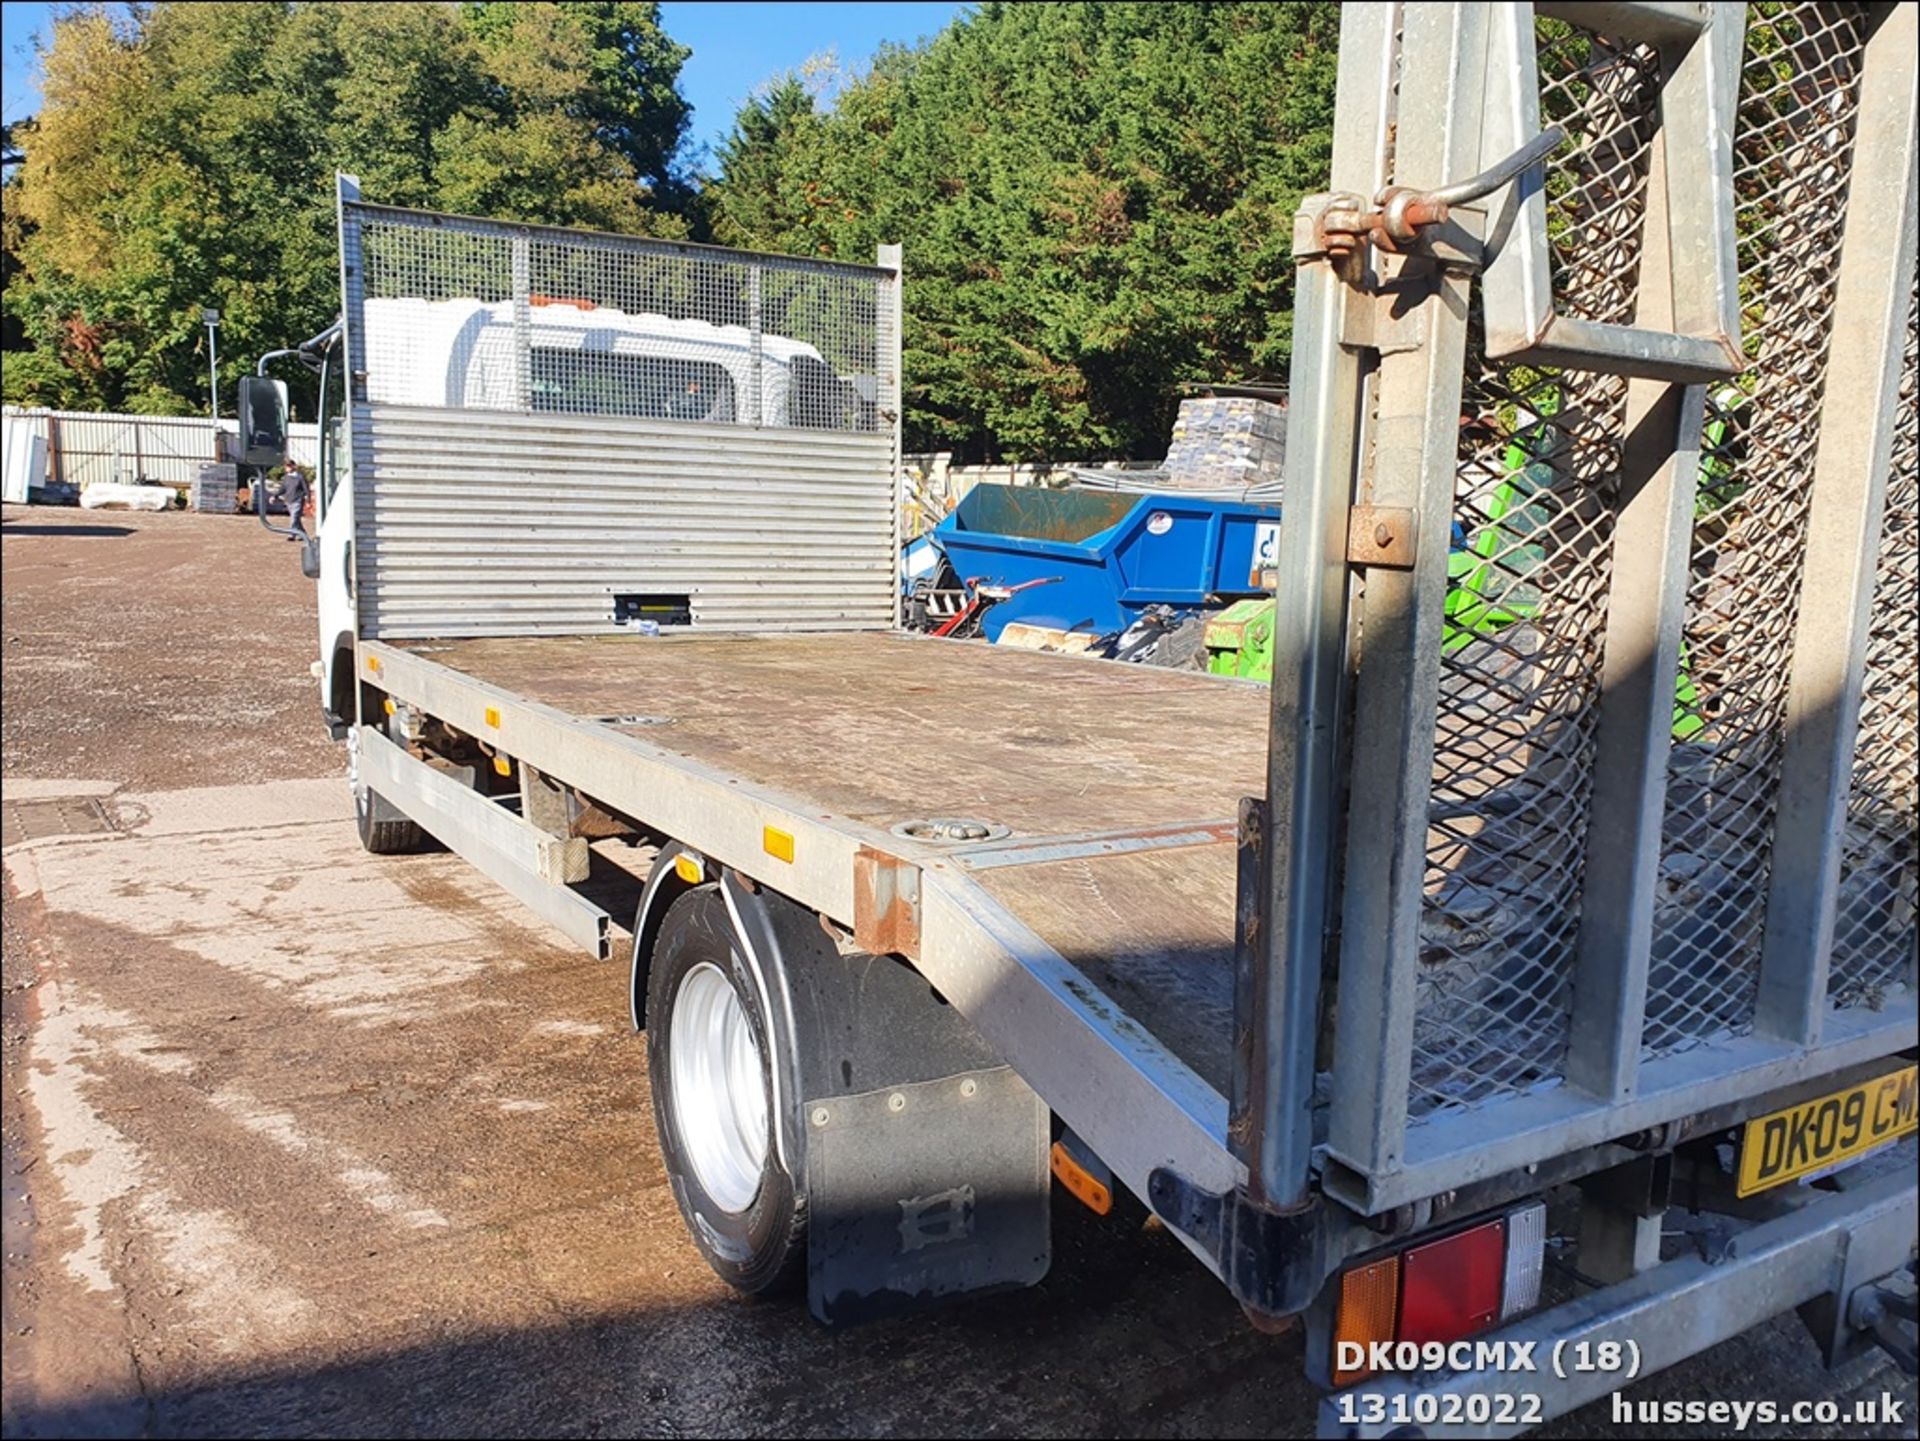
<point>1076,757</point>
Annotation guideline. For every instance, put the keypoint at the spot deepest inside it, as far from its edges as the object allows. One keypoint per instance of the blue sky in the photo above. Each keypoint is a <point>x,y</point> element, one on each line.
<point>736,47</point>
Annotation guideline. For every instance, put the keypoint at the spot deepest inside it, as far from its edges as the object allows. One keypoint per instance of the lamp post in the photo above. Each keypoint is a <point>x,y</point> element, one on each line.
<point>211,318</point>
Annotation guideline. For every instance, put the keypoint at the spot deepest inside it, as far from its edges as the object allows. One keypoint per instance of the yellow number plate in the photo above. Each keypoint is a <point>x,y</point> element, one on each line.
<point>1818,1134</point>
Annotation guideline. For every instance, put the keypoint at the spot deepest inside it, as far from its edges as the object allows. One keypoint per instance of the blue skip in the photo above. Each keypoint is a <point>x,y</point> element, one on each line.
<point>1103,557</point>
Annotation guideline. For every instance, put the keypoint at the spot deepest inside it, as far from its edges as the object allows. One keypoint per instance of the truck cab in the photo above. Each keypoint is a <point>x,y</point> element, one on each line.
<point>586,358</point>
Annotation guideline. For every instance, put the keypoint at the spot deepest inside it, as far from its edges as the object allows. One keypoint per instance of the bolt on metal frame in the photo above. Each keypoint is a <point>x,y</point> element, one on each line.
<point>1271,1108</point>
<point>655,317</point>
<point>1508,788</point>
<point>1409,463</point>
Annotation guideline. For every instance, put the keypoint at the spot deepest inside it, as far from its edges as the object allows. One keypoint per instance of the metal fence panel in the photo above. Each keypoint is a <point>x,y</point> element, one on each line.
<point>86,447</point>
<point>83,447</point>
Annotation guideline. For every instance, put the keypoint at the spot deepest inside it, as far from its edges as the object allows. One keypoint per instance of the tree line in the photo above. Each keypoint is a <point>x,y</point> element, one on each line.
<point>1095,200</point>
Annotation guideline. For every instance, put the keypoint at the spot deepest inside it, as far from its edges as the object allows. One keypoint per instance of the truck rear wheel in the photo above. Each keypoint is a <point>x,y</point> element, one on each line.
<point>383,831</point>
<point>710,1053</point>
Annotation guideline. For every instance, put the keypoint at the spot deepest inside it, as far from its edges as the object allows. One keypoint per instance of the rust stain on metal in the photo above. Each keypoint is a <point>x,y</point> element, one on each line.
<point>886,904</point>
<point>1380,535</point>
<point>1033,513</point>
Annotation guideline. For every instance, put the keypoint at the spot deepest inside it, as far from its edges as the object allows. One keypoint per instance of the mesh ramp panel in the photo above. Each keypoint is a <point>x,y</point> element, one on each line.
<point>1793,142</point>
<point>1530,565</point>
<point>1875,938</point>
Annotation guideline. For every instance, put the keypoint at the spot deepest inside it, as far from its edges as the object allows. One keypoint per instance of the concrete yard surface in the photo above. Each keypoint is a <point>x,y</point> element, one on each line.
<point>300,1141</point>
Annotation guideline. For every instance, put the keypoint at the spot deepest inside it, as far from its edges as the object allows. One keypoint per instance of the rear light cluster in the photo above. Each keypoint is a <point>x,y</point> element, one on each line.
<point>1440,1291</point>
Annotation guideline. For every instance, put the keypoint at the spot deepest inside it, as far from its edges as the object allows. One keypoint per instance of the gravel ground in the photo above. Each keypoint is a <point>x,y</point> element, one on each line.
<point>160,651</point>
<point>301,1142</point>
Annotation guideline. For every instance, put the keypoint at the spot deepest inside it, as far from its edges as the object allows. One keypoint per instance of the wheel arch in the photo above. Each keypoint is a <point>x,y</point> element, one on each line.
<point>764,945</point>
<point>340,707</point>
<point>846,1029</point>
<point>665,885</point>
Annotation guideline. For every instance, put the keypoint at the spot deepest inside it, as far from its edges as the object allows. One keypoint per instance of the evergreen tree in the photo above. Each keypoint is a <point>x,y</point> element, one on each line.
<point>1095,202</point>
<point>184,157</point>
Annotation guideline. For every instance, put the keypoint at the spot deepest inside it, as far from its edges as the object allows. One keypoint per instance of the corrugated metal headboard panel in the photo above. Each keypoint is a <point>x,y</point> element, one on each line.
<point>490,522</point>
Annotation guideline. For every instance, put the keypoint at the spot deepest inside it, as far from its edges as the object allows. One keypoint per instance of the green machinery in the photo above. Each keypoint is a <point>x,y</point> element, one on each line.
<point>1239,640</point>
<point>1488,584</point>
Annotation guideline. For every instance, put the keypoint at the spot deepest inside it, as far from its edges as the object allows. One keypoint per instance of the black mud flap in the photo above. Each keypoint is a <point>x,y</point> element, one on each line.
<point>925,1191</point>
<point>925,1157</point>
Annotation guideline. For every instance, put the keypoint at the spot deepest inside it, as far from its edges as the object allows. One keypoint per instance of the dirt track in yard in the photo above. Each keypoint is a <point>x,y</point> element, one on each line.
<point>299,1141</point>
<point>158,651</point>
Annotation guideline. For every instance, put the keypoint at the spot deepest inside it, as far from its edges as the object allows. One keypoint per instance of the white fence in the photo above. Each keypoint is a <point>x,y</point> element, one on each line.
<point>76,448</point>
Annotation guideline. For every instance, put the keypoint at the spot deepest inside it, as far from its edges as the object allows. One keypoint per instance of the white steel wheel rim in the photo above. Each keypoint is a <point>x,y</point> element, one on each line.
<point>719,1098</point>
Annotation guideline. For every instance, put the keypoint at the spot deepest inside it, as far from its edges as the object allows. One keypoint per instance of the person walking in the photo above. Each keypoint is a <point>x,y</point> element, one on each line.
<point>293,490</point>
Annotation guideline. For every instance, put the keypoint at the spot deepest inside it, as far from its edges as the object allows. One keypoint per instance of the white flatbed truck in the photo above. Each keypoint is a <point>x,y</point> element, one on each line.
<point>1366,984</point>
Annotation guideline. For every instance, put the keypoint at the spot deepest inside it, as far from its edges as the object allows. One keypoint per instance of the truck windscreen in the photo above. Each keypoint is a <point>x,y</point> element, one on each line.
<point>655,387</point>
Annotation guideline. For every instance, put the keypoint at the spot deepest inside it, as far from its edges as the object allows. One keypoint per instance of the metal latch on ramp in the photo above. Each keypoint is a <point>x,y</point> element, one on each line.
<point>1700,53</point>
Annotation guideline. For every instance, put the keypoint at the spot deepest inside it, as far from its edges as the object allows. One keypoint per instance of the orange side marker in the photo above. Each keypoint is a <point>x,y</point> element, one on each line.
<point>1080,1182</point>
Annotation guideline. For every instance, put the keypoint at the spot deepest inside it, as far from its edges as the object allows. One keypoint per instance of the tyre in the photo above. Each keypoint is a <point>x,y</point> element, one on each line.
<point>1184,647</point>
<point>710,1054</point>
<point>383,831</point>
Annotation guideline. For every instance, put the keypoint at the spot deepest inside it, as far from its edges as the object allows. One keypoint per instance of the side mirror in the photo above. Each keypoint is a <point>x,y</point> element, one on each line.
<point>263,421</point>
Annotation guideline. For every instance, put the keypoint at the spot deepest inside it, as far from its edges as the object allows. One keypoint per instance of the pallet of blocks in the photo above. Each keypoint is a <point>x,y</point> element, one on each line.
<point>213,488</point>
<point>1223,441</point>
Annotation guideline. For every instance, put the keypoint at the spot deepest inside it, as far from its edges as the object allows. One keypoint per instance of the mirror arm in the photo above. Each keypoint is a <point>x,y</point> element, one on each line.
<point>260,508</point>
<point>321,341</point>
<point>307,352</point>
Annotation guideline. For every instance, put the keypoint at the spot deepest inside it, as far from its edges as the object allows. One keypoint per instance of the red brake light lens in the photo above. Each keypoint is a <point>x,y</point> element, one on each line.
<point>1439,1291</point>
<point>1451,1288</point>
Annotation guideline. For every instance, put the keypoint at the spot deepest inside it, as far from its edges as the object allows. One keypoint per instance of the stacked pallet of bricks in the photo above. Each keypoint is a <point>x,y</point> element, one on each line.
<point>213,488</point>
<point>1225,441</point>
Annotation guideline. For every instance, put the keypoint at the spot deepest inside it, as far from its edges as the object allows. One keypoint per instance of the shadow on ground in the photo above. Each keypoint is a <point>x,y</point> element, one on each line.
<point>72,530</point>
<point>1004,1365</point>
